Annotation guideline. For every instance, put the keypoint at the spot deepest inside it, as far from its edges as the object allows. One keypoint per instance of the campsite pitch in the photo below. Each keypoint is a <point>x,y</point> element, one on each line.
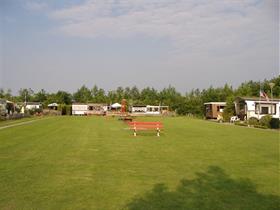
<point>97,163</point>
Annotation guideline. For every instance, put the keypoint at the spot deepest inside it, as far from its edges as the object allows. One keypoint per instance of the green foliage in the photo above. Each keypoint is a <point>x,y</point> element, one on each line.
<point>68,110</point>
<point>98,95</point>
<point>189,104</point>
<point>40,96</point>
<point>65,109</point>
<point>63,97</point>
<point>229,110</point>
<point>82,95</point>
<point>260,126</point>
<point>253,121</point>
<point>241,123</point>
<point>275,123</point>
<point>26,94</point>
<point>265,121</point>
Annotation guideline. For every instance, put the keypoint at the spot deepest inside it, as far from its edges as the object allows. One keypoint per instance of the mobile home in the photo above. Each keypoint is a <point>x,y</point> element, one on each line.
<point>148,110</point>
<point>6,107</point>
<point>254,107</point>
<point>89,109</point>
<point>33,105</point>
<point>79,109</point>
<point>214,110</point>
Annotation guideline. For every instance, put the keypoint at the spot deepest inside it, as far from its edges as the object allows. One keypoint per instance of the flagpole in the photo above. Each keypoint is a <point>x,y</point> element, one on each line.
<point>259,102</point>
<point>271,85</point>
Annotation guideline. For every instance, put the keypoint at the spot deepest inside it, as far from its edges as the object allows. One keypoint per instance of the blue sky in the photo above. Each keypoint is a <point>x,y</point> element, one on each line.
<point>61,45</point>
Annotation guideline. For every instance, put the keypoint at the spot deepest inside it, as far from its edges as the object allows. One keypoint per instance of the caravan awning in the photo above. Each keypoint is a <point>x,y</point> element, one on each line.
<point>116,105</point>
<point>53,104</point>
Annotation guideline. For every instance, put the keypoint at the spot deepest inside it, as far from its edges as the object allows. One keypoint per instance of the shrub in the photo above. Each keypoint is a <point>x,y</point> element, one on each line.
<point>227,116</point>
<point>265,121</point>
<point>253,121</point>
<point>229,109</point>
<point>63,109</point>
<point>240,123</point>
<point>260,126</point>
<point>38,110</point>
<point>275,123</point>
<point>31,111</point>
<point>68,109</point>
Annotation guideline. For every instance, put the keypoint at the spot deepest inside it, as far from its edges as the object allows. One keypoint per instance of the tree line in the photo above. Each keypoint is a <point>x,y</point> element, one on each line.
<point>189,103</point>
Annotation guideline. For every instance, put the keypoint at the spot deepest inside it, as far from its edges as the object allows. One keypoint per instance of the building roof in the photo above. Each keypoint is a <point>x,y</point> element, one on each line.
<point>257,99</point>
<point>4,101</point>
<point>216,103</point>
<point>79,103</point>
<point>116,105</point>
<point>53,104</point>
<point>96,104</point>
<point>33,103</point>
<point>148,106</point>
<point>89,104</point>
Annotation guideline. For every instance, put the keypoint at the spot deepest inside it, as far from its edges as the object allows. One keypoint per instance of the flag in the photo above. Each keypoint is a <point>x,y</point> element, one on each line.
<point>263,95</point>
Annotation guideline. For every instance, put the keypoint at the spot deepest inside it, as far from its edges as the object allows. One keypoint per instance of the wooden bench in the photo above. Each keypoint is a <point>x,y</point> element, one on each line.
<point>136,126</point>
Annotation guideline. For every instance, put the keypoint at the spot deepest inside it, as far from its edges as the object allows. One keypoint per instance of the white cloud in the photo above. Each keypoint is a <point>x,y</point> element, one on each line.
<point>192,25</point>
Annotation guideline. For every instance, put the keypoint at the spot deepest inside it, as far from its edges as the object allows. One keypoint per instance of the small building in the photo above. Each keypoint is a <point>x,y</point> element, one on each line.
<point>116,106</point>
<point>139,109</point>
<point>97,109</point>
<point>214,110</point>
<point>6,107</point>
<point>149,110</point>
<point>53,106</point>
<point>3,109</point>
<point>153,110</point>
<point>79,109</point>
<point>89,109</point>
<point>33,105</point>
<point>246,107</point>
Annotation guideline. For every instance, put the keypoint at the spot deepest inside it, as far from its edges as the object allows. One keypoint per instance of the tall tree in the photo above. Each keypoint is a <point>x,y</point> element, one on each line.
<point>63,97</point>
<point>26,94</point>
<point>40,96</point>
<point>82,95</point>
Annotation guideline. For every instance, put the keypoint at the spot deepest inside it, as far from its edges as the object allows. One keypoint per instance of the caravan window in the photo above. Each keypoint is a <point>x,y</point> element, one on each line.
<point>265,109</point>
<point>150,109</point>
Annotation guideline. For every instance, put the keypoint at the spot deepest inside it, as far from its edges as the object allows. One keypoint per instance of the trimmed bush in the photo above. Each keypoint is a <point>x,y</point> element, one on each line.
<point>253,121</point>
<point>275,123</point>
<point>63,109</point>
<point>260,126</point>
<point>240,123</point>
<point>68,109</point>
<point>265,121</point>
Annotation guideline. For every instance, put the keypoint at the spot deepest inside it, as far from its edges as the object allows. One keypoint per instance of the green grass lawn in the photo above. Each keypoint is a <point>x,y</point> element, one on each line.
<point>12,122</point>
<point>96,163</point>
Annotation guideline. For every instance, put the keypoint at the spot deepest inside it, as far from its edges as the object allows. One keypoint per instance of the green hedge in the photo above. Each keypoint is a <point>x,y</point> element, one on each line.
<point>253,121</point>
<point>275,123</point>
<point>65,109</point>
<point>265,122</point>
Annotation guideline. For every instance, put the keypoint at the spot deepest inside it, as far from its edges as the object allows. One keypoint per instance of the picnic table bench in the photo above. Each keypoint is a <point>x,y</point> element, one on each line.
<point>136,126</point>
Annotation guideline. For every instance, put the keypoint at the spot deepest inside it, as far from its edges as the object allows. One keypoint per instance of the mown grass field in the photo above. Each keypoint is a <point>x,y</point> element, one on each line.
<point>96,163</point>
